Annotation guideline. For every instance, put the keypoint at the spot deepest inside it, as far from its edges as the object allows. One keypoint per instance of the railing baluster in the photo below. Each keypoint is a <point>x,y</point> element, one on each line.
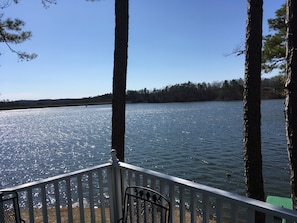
<point>251,215</point>
<point>205,207</point>
<point>219,210</point>
<point>69,200</point>
<point>137,178</point>
<point>80,198</point>
<point>44,204</point>
<point>101,195</point>
<point>145,181</point>
<point>234,213</point>
<point>270,218</point>
<point>172,201</point>
<point>130,178</point>
<point>91,196</point>
<point>57,203</point>
<point>154,212</point>
<point>134,211</point>
<point>182,204</point>
<point>162,187</point>
<point>162,191</point>
<point>193,206</point>
<point>30,204</point>
<point>153,183</point>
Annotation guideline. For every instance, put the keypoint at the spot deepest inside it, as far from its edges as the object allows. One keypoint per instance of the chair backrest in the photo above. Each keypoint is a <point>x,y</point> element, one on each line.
<point>142,204</point>
<point>9,207</point>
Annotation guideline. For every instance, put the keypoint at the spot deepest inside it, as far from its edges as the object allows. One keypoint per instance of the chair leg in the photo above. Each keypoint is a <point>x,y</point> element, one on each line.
<point>9,207</point>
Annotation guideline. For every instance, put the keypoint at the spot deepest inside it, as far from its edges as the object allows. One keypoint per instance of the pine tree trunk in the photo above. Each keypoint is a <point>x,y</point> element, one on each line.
<point>291,96</point>
<point>252,102</point>
<point>120,76</point>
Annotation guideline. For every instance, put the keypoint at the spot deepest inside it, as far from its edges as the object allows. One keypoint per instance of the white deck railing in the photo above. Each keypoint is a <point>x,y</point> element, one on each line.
<point>95,195</point>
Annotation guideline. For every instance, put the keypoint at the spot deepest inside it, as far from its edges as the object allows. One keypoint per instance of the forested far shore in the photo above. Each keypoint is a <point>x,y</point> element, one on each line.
<point>271,88</point>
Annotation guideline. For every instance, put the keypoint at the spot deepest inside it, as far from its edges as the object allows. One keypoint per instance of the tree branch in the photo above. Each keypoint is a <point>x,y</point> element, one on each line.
<point>16,39</point>
<point>237,51</point>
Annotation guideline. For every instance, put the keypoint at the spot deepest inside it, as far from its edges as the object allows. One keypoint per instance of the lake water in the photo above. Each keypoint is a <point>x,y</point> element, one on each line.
<point>201,141</point>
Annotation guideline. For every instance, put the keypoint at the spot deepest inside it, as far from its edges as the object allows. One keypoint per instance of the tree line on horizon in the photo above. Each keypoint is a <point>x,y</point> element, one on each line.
<point>227,90</point>
<point>271,88</point>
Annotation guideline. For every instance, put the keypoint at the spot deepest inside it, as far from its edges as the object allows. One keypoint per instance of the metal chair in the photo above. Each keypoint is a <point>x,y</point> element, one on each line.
<point>9,207</point>
<point>142,204</point>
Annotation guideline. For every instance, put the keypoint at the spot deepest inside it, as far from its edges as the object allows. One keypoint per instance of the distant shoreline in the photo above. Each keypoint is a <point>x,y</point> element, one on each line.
<point>186,92</point>
<point>23,105</point>
<point>3,108</point>
<point>49,103</point>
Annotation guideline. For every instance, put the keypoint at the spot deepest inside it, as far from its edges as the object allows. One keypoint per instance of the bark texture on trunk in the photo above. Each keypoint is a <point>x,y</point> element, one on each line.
<point>291,96</point>
<point>252,101</point>
<point>119,77</point>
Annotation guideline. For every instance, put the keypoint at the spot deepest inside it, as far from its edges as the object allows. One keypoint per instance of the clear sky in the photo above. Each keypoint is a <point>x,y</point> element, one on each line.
<point>170,42</point>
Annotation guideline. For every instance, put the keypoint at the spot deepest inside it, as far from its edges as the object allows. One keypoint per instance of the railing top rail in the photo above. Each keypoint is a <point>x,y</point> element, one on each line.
<point>232,197</point>
<point>55,178</point>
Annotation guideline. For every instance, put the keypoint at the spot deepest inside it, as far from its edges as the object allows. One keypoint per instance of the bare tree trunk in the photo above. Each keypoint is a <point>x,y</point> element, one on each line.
<point>252,104</point>
<point>291,95</point>
<point>120,76</point>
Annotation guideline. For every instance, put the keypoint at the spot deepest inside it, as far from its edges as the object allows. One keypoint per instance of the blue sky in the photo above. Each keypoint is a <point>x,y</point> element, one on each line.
<point>170,42</point>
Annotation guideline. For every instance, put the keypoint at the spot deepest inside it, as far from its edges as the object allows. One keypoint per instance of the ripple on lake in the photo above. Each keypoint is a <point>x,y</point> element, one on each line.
<point>196,141</point>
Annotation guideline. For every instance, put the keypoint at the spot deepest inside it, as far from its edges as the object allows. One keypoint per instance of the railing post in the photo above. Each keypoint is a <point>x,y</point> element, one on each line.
<point>115,188</point>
